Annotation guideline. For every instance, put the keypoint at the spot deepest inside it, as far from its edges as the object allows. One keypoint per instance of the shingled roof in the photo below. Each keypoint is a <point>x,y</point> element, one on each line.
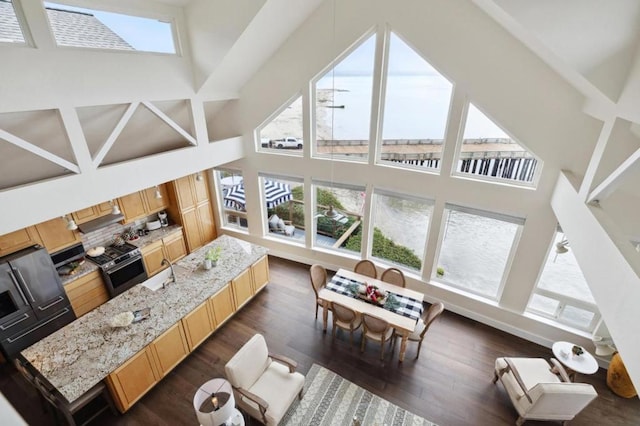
<point>9,27</point>
<point>70,28</point>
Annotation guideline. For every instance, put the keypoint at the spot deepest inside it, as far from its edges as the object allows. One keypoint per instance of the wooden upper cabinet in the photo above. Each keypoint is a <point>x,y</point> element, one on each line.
<point>85,215</point>
<point>133,206</point>
<point>156,204</point>
<point>16,240</point>
<point>184,194</point>
<point>206,223</point>
<point>104,208</point>
<point>200,188</point>
<point>55,235</point>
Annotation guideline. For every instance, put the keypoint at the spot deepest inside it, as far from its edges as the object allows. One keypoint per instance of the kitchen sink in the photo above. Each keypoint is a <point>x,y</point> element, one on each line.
<point>156,282</point>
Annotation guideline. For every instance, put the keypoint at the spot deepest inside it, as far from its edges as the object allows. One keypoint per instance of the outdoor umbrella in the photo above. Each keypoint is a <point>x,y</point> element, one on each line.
<point>275,193</point>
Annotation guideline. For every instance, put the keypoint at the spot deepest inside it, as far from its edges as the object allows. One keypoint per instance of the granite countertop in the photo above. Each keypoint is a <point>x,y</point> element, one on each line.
<point>86,268</point>
<point>76,357</point>
<point>154,236</point>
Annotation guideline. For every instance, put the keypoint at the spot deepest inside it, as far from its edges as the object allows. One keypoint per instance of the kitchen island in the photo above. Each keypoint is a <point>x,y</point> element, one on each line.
<point>89,350</point>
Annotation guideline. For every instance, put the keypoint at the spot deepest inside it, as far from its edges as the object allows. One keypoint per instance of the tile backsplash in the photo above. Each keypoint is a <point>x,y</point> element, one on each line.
<point>104,236</point>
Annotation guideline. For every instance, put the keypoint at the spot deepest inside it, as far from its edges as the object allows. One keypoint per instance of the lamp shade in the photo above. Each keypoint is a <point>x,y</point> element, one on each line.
<point>206,411</point>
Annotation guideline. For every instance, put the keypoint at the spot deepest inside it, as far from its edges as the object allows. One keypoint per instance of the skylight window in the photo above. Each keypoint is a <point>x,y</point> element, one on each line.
<point>95,29</point>
<point>10,29</point>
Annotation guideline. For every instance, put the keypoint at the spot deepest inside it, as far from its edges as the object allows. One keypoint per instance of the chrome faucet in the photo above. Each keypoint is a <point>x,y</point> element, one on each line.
<point>173,272</point>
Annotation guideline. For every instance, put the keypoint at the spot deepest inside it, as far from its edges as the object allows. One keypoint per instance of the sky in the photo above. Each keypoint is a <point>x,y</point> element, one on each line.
<point>144,34</point>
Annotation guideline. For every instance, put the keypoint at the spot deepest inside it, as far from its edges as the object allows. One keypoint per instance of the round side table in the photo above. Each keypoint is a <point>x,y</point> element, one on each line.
<point>584,363</point>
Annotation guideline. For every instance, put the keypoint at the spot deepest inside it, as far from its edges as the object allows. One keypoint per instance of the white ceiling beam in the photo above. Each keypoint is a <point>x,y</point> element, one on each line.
<point>615,179</point>
<point>36,150</point>
<point>164,117</point>
<point>106,146</point>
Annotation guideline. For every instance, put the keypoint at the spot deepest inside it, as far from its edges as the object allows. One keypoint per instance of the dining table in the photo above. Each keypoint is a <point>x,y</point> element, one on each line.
<point>402,313</point>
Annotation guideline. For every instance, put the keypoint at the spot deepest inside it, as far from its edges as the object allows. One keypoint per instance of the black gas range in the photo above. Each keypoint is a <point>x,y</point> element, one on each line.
<point>122,267</point>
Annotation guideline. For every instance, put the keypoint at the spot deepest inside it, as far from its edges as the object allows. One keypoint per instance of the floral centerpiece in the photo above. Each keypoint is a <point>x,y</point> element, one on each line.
<point>372,293</point>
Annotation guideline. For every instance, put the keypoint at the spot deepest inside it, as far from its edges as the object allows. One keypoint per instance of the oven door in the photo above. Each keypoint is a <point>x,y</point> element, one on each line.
<point>125,275</point>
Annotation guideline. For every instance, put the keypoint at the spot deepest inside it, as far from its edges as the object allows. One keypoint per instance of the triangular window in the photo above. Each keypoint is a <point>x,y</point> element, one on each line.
<point>10,29</point>
<point>283,133</point>
<point>489,152</point>
<point>343,105</point>
<point>416,106</point>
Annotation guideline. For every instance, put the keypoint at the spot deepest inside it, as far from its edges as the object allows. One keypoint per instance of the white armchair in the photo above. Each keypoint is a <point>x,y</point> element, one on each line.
<point>538,393</point>
<point>264,389</point>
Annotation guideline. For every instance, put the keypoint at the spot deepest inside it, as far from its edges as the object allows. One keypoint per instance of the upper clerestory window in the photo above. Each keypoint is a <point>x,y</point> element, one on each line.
<point>10,29</point>
<point>95,29</point>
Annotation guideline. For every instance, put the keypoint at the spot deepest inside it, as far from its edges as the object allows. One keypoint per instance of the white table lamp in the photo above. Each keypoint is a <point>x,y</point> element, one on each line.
<point>214,403</point>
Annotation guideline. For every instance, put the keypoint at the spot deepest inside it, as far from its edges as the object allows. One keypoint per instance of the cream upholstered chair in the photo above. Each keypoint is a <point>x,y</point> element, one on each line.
<point>318,276</point>
<point>277,224</point>
<point>538,393</point>
<point>393,276</point>
<point>423,324</point>
<point>366,267</point>
<point>345,318</point>
<point>264,384</point>
<point>378,330</point>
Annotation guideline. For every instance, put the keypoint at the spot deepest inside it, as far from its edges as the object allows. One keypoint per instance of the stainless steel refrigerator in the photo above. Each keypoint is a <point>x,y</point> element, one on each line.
<point>33,303</point>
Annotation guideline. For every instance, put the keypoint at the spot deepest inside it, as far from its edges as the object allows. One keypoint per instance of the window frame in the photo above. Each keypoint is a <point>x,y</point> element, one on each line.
<point>106,8</point>
<point>520,221</point>
<point>264,210</point>
<point>27,37</point>
<point>490,179</point>
<point>224,210</point>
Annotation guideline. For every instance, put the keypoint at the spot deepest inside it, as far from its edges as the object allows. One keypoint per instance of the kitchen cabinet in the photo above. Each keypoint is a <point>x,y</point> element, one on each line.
<point>222,305</point>
<point>152,255</point>
<point>86,293</point>
<point>169,349</point>
<point>129,382</point>
<point>260,274</point>
<point>198,325</point>
<point>174,246</point>
<point>132,206</point>
<point>154,204</point>
<point>16,240</point>
<point>191,207</point>
<point>93,212</point>
<point>55,235</point>
<point>242,286</point>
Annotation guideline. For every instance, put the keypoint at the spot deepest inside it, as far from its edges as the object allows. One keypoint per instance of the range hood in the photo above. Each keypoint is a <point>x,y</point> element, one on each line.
<point>100,222</point>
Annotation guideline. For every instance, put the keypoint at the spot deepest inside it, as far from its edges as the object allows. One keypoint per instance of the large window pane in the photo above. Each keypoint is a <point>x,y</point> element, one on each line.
<point>10,30</point>
<point>562,282</point>
<point>82,27</point>
<point>489,152</point>
<point>234,210</point>
<point>284,132</point>
<point>415,111</point>
<point>475,250</point>
<point>343,105</point>
<point>400,228</point>
<point>284,202</point>
<point>339,216</point>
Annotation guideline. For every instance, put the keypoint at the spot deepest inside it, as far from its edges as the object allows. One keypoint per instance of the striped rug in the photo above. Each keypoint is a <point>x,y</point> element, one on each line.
<point>331,400</point>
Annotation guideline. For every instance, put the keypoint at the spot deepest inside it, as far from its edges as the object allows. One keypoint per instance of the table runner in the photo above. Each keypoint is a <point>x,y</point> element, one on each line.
<point>404,305</point>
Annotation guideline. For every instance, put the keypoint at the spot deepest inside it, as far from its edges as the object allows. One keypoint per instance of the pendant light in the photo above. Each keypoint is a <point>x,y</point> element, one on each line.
<point>115,209</point>
<point>331,213</point>
<point>71,224</point>
<point>157,195</point>
<point>199,176</point>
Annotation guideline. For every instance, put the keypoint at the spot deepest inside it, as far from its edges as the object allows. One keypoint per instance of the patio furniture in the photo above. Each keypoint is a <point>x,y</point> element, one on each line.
<point>539,394</point>
<point>366,267</point>
<point>422,326</point>
<point>378,330</point>
<point>277,224</point>
<point>318,276</point>
<point>264,384</point>
<point>393,276</point>
<point>346,319</point>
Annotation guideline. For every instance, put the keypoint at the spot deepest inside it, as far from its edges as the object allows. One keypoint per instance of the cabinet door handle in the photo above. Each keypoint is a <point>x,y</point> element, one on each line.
<point>26,286</point>
<point>6,327</point>
<point>58,300</point>
<point>15,282</point>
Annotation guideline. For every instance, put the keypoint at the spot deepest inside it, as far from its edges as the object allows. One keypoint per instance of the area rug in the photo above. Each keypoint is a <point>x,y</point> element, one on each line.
<point>332,400</point>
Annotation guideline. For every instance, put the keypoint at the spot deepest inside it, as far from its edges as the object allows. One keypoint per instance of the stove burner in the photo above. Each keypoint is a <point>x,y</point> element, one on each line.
<point>115,254</point>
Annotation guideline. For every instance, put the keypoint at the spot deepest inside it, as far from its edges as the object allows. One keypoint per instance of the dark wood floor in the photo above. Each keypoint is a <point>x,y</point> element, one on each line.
<point>449,384</point>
